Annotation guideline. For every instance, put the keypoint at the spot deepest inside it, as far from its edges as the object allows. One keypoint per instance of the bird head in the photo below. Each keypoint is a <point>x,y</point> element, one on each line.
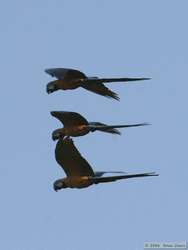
<point>51,87</point>
<point>59,184</point>
<point>57,134</point>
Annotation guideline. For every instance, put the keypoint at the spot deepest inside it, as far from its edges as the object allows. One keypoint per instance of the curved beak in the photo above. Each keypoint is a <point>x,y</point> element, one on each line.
<point>55,137</point>
<point>49,90</point>
<point>51,87</point>
<point>55,188</point>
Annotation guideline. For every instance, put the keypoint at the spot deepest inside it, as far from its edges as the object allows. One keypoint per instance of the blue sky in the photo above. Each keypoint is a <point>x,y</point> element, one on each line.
<point>106,39</point>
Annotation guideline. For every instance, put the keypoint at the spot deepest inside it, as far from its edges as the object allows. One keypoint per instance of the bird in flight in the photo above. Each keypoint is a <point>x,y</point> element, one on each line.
<point>72,79</point>
<point>79,173</point>
<point>76,125</point>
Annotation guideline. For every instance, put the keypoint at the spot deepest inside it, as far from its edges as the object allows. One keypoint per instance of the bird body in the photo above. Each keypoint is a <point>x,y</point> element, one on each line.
<point>73,131</point>
<point>68,79</point>
<point>76,125</point>
<point>67,84</point>
<point>75,182</point>
<point>79,173</point>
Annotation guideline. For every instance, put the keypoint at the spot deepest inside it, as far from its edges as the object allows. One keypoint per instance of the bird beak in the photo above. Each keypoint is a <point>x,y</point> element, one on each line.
<point>50,88</point>
<point>54,138</point>
<point>49,91</point>
<point>57,137</point>
<point>55,189</point>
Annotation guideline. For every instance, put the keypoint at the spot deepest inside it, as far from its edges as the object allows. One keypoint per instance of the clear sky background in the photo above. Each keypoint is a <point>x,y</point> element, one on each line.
<point>107,39</point>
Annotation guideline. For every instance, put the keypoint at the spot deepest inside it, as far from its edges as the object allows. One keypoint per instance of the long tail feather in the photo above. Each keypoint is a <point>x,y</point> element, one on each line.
<point>127,79</point>
<point>101,173</point>
<point>112,128</point>
<point>97,180</point>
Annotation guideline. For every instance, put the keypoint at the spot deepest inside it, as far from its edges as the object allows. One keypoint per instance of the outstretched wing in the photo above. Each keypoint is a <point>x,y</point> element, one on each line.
<point>63,73</point>
<point>69,158</point>
<point>69,118</point>
<point>100,89</point>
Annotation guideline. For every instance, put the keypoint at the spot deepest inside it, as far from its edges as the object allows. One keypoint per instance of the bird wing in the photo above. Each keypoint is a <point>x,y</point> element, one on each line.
<point>63,73</point>
<point>69,118</point>
<point>100,89</point>
<point>69,158</point>
<point>97,180</point>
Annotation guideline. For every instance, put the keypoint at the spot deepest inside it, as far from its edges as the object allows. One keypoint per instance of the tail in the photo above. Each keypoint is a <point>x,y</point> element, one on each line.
<point>96,85</point>
<point>101,173</point>
<point>124,79</point>
<point>112,128</point>
<point>97,180</point>
<point>93,80</point>
<point>127,79</point>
